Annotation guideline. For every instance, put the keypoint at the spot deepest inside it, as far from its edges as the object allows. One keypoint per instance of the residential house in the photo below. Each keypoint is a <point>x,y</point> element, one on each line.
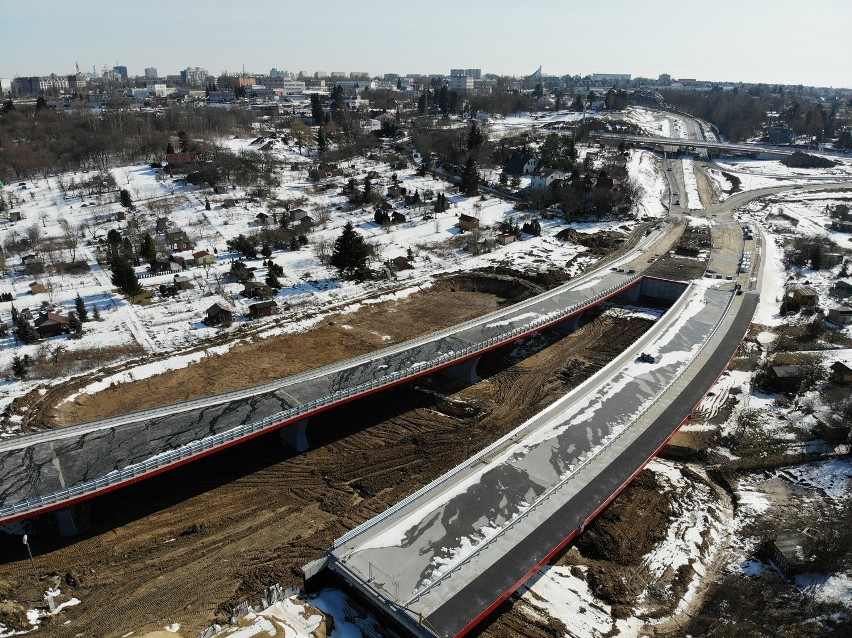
<point>162,224</point>
<point>841,373</point>
<point>298,213</point>
<point>178,240</point>
<point>467,222</point>
<point>177,160</point>
<point>263,309</point>
<point>520,164</point>
<point>840,316</point>
<point>203,258</point>
<point>543,179</point>
<point>51,324</point>
<point>400,263</point>
<point>219,314</point>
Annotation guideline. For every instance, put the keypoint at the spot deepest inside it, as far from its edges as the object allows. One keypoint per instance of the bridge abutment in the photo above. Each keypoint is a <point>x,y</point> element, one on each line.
<point>570,324</point>
<point>295,435</point>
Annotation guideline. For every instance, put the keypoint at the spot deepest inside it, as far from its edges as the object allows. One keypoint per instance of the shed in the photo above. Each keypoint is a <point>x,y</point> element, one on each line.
<point>466,222</point>
<point>160,265</point>
<point>50,324</point>
<point>842,288</point>
<point>841,373</point>
<point>257,290</point>
<point>219,314</point>
<point>805,295</point>
<point>786,378</point>
<point>33,264</point>
<point>263,309</point>
<point>791,552</point>
<point>36,288</point>
<point>398,218</point>
<point>183,282</point>
<point>840,316</point>
<point>506,238</point>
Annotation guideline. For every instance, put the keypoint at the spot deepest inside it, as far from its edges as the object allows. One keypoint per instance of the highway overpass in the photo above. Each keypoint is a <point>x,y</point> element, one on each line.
<point>438,562</point>
<point>671,144</point>
<point>53,469</point>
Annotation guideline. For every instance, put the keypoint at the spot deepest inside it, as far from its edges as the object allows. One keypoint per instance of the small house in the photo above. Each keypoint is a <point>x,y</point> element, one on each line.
<point>520,164</point>
<point>840,316</point>
<point>161,265</point>
<point>506,238</point>
<point>219,314</point>
<point>14,216</point>
<point>203,258</point>
<point>805,296</point>
<point>467,222</point>
<point>262,219</point>
<point>263,309</point>
<point>51,324</point>
<point>398,218</point>
<point>841,373</point>
<point>830,260</point>
<point>257,290</point>
<point>183,282</point>
<point>178,240</point>
<point>162,224</point>
<point>33,264</point>
<point>786,378</point>
<point>400,263</point>
<point>543,179</point>
<point>229,202</point>
<point>37,288</point>
<point>298,213</point>
<point>842,288</point>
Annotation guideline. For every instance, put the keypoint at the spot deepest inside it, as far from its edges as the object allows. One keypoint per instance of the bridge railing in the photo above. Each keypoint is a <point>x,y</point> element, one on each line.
<point>210,443</point>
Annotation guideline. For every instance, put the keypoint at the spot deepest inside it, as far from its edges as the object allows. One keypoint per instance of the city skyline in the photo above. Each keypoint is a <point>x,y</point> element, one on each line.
<point>769,42</point>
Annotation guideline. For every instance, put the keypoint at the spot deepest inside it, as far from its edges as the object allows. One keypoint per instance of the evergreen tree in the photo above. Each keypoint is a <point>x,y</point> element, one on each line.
<point>124,198</point>
<point>316,109</point>
<point>14,312</point>
<point>25,331</point>
<point>368,188</point>
<point>266,251</point>
<point>183,141</point>
<point>350,253</point>
<point>82,312</point>
<point>124,277</point>
<point>470,178</point>
<point>20,365</point>
<point>272,280</point>
<point>149,249</point>
<point>75,325</point>
<point>475,138</point>
<point>206,204</point>
<point>96,313</point>
<point>170,149</point>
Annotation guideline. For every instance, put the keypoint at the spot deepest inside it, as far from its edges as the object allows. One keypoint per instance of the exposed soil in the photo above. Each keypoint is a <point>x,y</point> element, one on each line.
<point>186,546</point>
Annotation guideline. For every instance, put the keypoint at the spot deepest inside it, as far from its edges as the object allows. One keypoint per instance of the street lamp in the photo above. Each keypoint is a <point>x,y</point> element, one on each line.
<point>32,562</point>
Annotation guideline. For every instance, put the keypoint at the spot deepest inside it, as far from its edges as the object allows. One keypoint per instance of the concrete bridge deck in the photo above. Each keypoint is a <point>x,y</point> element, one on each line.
<point>446,556</point>
<point>50,470</point>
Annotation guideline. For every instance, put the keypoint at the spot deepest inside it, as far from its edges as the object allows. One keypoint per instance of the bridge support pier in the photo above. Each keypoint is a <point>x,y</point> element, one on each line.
<point>570,324</point>
<point>466,370</point>
<point>295,435</point>
<point>65,523</point>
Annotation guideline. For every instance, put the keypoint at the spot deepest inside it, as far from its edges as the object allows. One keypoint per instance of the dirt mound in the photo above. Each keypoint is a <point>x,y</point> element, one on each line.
<point>805,160</point>
<point>600,243</point>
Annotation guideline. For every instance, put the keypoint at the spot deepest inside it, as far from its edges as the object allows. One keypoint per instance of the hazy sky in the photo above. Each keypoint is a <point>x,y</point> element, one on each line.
<point>772,41</point>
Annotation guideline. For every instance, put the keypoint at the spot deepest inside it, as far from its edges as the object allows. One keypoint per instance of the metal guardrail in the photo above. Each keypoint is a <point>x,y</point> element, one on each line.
<point>172,457</point>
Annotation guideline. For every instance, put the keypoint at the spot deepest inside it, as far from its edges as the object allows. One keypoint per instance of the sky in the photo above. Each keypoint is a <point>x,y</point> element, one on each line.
<point>770,41</point>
